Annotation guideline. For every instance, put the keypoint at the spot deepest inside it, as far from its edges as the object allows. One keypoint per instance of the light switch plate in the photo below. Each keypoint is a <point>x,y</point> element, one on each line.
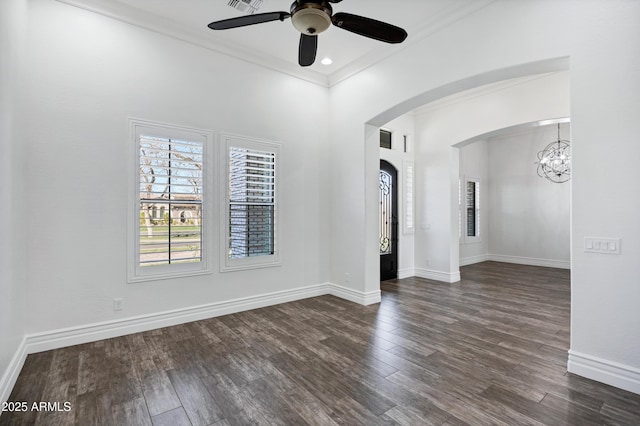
<point>602,245</point>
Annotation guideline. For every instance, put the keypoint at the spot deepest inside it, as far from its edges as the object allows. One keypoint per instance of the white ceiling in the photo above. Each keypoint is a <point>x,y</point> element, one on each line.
<point>275,44</point>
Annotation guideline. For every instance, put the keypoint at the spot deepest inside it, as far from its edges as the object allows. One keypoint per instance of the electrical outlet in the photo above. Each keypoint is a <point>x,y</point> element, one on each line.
<point>347,277</point>
<point>117,304</point>
<point>428,262</point>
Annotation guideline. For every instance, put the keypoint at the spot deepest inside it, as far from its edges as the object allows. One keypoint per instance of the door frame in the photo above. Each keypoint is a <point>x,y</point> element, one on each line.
<point>389,262</point>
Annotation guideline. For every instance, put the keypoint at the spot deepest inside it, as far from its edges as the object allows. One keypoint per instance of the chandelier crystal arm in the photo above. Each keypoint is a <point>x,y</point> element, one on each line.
<point>554,161</point>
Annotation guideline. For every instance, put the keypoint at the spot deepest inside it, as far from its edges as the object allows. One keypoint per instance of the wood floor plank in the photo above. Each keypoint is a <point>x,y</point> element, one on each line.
<point>272,405</point>
<point>29,388</point>
<point>490,349</point>
<point>237,407</point>
<point>403,397</point>
<point>133,412</point>
<point>156,387</point>
<point>175,417</point>
<point>338,347</point>
<point>616,415</point>
<point>195,398</point>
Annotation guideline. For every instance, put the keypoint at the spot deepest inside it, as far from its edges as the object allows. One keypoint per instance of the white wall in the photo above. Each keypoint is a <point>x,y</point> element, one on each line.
<point>474,164</point>
<point>400,127</point>
<point>529,216</point>
<point>442,125</point>
<point>87,74</point>
<point>518,38</point>
<point>524,218</point>
<point>12,231</point>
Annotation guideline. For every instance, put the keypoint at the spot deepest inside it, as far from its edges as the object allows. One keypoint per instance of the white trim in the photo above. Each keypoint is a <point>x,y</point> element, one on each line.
<point>228,140</point>
<point>474,259</point>
<point>136,273</point>
<point>549,263</point>
<point>61,338</point>
<point>197,37</point>
<point>605,371</point>
<point>10,376</point>
<point>355,296</point>
<point>406,273</point>
<point>594,368</point>
<point>447,277</point>
<point>430,25</point>
<point>54,339</point>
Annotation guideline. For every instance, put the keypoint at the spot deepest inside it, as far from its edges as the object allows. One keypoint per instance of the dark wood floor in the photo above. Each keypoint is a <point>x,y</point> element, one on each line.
<point>491,349</point>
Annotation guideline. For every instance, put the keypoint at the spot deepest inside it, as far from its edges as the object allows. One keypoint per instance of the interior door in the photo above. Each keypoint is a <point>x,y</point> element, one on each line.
<point>388,232</point>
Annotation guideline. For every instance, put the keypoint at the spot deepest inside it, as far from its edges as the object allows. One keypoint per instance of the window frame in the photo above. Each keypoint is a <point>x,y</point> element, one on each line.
<point>390,134</point>
<point>136,272</point>
<point>470,239</point>
<point>409,181</point>
<point>228,264</point>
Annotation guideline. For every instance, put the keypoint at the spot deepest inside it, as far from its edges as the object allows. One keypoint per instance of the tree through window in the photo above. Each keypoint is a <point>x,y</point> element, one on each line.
<point>170,191</point>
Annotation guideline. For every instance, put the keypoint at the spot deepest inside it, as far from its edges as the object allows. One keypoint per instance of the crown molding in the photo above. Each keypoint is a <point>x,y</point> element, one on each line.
<point>161,25</point>
<point>430,25</point>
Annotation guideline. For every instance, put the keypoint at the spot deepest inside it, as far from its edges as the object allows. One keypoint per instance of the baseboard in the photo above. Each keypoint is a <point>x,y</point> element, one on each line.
<point>10,375</point>
<point>55,339</point>
<point>355,296</point>
<point>604,371</point>
<point>44,341</point>
<point>447,277</point>
<point>474,259</point>
<point>406,273</point>
<point>549,263</point>
<point>38,342</point>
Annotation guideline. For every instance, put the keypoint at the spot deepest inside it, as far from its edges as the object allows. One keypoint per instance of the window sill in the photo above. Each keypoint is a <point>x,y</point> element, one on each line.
<point>168,275</point>
<point>231,265</point>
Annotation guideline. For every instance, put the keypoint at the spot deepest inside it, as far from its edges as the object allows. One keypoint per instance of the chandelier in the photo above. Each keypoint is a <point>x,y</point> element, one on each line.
<point>554,162</point>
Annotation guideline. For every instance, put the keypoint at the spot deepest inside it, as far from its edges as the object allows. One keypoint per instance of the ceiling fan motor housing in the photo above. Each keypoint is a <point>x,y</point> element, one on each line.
<point>311,18</point>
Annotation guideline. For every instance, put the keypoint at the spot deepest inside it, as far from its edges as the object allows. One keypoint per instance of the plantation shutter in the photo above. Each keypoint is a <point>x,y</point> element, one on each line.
<point>473,208</point>
<point>251,202</point>
<point>408,196</point>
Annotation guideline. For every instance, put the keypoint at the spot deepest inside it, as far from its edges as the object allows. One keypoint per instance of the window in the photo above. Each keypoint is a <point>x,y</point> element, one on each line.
<point>387,210</point>
<point>170,191</point>
<point>385,139</point>
<point>251,202</point>
<point>473,209</point>
<point>406,143</point>
<point>460,209</point>
<point>408,197</point>
<point>469,211</point>
<point>250,217</point>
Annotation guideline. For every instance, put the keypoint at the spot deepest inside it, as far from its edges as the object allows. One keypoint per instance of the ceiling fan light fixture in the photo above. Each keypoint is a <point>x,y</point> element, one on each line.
<point>311,21</point>
<point>312,17</point>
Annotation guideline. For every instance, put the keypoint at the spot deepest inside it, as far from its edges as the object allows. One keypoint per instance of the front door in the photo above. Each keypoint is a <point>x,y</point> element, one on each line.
<point>388,233</point>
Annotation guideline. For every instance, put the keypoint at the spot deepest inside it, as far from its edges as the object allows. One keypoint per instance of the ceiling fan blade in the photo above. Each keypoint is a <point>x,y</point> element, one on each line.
<point>368,27</point>
<point>307,50</point>
<point>243,21</point>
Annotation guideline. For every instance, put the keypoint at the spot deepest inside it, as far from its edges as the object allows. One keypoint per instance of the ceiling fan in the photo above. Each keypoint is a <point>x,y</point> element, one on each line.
<point>313,17</point>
